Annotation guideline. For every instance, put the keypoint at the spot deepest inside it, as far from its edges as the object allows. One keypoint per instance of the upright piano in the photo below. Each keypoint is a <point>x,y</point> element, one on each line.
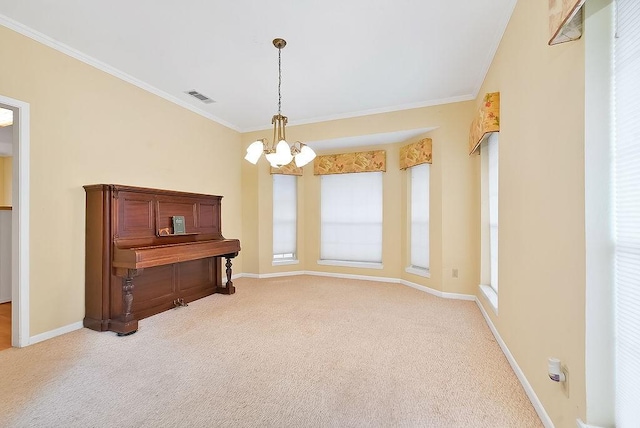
<point>137,266</point>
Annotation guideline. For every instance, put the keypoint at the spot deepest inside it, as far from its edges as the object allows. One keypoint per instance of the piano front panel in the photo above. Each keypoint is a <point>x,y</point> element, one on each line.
<point>196,276</point>
<point>185,207</point>
<point>156,286</point>
<point>135,215</point>
<point>209,217</point>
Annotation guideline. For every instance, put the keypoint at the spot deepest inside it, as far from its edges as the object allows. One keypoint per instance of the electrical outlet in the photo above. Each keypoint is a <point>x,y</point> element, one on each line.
<point>454,272</point>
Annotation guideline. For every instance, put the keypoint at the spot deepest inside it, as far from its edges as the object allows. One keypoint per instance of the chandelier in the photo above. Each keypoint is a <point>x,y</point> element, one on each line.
<point>278,152</point>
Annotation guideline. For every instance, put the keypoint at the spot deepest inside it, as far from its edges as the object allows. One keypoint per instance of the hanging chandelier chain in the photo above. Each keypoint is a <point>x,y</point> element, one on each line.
<point>279,152</point>
<point>279,80</point>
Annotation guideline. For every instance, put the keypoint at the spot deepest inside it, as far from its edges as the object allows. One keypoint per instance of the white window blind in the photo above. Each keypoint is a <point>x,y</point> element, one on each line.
<point>284,216</point>
<point>419,247</point>
<point>492,152</point>
<point>627,212</point>
<point>351,217</point>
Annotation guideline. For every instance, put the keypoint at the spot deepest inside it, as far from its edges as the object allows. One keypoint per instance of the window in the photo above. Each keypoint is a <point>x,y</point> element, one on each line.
<point>419,208</point>
<point>626,166</point>
<point>489,253</point>
<point>351,218</point>
<point>284,217</point>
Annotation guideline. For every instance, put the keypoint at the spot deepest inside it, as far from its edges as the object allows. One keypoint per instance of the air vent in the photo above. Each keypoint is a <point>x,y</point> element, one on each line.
<point>205,99</point>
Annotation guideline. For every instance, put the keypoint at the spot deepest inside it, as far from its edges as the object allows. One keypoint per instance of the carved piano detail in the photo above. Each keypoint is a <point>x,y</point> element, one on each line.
<point>136,267</point>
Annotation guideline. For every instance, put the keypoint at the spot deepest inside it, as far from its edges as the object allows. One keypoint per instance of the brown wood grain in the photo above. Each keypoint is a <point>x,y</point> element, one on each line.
<point>5,326</point>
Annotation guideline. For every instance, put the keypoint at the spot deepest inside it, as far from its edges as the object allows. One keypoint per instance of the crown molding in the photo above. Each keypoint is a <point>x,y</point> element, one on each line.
<point>68,50</point>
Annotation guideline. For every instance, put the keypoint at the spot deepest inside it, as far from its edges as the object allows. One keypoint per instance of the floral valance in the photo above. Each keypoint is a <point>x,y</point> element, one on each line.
<point>344,163</point>
<point>290,169</point>
<point>415,154</point>
<point>487,120</point>
<point>565,20</point>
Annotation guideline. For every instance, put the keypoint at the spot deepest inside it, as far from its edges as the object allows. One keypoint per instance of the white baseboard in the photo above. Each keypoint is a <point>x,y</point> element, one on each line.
<point>315,273</point>
<point>280,274</point>
<point>442,294</point>
<point>269,275</point>
<point>234,276</point>
<point>248,275</point>
<point>53,333</point>
<point>350,276</point>
<point>438,293</point>
<point>581,424</point>
<point>528,389</point>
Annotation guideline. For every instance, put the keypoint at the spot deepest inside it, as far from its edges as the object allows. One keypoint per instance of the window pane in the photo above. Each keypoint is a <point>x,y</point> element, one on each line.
<point>351,217</point>
<point>284,216</point>
<point>419,250</point>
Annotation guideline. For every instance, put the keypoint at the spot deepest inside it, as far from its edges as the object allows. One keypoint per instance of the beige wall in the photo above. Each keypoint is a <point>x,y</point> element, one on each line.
<point>541,206</point>
<point>453,202</point>
<point>6,180</point>
<point>2,180</point>
<point>89,127</point>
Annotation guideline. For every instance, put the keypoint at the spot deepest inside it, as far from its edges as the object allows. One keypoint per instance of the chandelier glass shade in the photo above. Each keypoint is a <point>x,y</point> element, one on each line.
<point>279,152</point>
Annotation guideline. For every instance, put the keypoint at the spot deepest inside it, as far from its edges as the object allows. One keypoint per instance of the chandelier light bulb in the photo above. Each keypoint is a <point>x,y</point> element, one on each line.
<point>283,153</point>
<point>272,158</point>
<point>254,151</point>
<point>305,156</point>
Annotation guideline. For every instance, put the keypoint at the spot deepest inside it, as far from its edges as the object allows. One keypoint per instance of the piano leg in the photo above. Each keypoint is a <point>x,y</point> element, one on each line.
<point>228,288</point>
<point>126,324</point>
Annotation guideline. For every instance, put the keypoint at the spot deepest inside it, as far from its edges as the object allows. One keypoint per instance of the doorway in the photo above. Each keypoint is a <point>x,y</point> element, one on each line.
<point>19,221</point>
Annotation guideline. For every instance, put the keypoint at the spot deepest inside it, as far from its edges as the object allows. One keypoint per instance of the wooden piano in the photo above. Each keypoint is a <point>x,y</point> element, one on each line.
<point>136,266</point>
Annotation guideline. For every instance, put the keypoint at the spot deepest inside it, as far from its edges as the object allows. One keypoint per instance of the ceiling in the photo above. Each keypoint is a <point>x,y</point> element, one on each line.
<point>343,58</point>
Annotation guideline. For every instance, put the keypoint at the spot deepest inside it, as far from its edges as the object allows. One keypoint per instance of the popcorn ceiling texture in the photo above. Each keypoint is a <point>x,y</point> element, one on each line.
<point>289,351</point>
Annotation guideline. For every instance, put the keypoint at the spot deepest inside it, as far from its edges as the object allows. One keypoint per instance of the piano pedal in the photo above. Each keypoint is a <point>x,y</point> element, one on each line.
<point>179,303</point>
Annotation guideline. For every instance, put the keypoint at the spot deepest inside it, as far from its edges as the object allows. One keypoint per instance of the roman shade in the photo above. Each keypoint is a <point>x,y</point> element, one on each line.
<point>345,163</point>
<point>415,153</point>
<point>486,121</point>
<point>289,169</point>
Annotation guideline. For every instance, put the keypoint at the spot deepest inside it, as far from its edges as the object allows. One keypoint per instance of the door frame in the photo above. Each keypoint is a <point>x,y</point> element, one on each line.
<point>19,221</point>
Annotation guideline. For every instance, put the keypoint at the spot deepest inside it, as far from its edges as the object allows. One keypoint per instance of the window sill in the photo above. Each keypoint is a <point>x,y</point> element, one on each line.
<point>284,262</point>
<point>491,296</point>
<point>366,265</point>
<point>418,271</point>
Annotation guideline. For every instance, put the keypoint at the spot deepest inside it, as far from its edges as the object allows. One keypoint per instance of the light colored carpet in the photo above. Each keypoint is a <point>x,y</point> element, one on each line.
<point>284,352</point>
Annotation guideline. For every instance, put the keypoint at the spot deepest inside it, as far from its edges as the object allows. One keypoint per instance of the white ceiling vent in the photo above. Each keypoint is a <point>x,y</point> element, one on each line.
<point>205,99</point>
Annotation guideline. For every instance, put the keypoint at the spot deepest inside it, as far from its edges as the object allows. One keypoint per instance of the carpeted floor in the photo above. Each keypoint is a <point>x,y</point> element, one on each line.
<point>284,352</point>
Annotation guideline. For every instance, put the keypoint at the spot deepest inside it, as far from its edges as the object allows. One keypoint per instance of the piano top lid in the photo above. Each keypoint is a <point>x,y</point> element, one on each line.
<point>123,188</point>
